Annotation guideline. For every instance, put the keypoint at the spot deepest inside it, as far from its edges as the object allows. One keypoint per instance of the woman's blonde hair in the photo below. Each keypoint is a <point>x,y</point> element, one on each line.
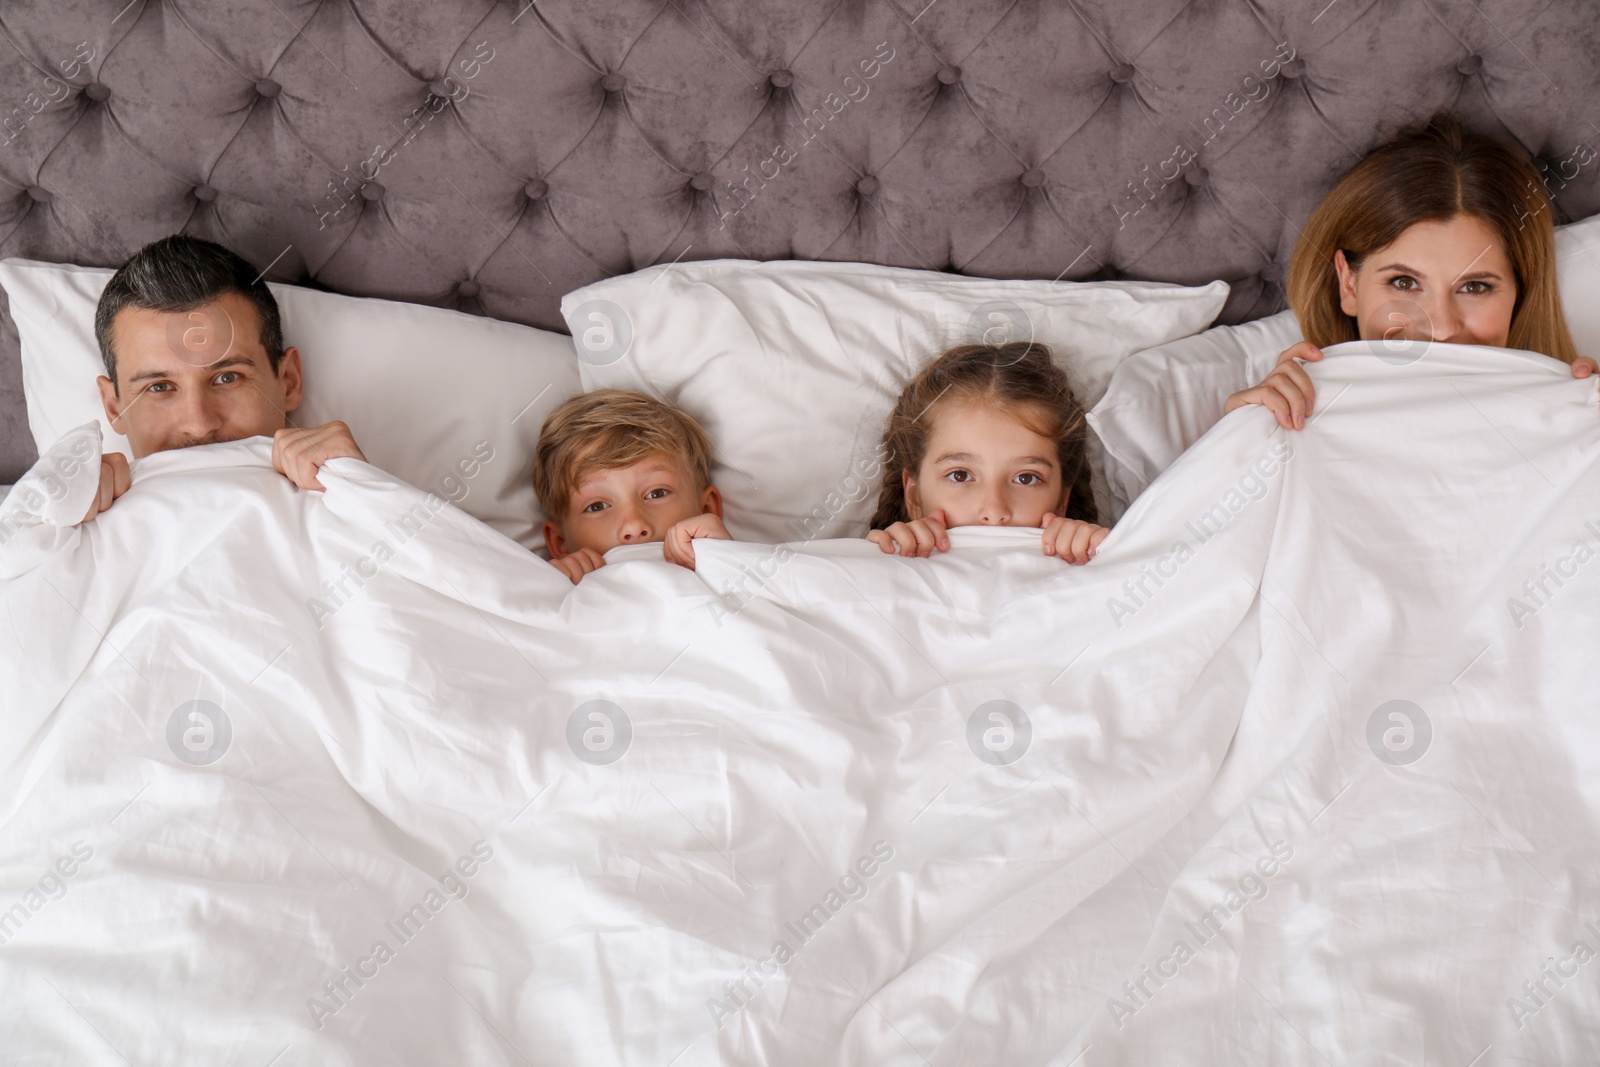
<point>1018,376</point>
<point>1432,172</point>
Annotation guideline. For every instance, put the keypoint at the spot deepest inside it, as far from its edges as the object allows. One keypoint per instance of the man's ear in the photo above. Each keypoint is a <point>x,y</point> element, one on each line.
<point>554,540</point>
<point>1347,283</point>
<point>711,502</point>
<point>290,374</point>
<point>111,402</point>
<point>908,485</point>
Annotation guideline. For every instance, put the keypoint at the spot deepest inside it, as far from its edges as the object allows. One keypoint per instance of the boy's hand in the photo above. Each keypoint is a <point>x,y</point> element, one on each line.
<point>919,537</point>
<point>1287,392</point>
<point>679,544</point>
<point>299,452</point>
<point>113,482</point>
<point>576,564</point>
<point>1074,540</point>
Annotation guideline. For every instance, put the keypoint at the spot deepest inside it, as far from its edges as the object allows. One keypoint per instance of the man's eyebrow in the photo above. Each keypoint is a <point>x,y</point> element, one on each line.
<point>230,361</point>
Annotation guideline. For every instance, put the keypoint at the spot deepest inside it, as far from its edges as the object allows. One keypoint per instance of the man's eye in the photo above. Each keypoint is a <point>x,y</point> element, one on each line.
<point>158,387</point>
<point>227,377</point>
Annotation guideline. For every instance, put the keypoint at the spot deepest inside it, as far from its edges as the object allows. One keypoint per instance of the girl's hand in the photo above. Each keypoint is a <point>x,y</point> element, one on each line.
<point>1583,366</point>
<point>679,544</point>
<point>576,564</point>
<point>1287,391</point>
<point>919,537</point>
<point>1074,540</point>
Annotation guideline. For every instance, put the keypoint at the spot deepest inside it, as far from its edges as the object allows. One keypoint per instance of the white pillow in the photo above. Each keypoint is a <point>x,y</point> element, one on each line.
<point>427,392</point>
<point>1162,400</point>
<point>793,367</point>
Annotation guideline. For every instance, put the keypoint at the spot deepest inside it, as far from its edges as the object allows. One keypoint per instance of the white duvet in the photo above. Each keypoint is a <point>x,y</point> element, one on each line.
<point>1301,770</point>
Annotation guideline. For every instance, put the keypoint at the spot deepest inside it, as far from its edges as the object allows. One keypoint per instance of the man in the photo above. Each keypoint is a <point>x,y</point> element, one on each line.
<point>194,355</point>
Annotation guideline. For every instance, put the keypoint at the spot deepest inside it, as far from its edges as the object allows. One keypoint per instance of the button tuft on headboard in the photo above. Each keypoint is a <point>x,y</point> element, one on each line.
<point>468,289</point>
<point>1294,68</point>
<point>268,88</point>
<point>613,82</point>
<point>702,181</point>
<point>867,186</point>
<point>780,79</point>
<point>40,194</point>
<point>1123,73</point>
<point>1273,273</point>
<point>537,189</point>
<point>1197,176</point>
<point>1033,178</point>
<point>204,193</point>
<point>440,87</point>
<point>949,74</point>
<point>373,191</point>
<point>1470,65</point>
<point>98,92</point>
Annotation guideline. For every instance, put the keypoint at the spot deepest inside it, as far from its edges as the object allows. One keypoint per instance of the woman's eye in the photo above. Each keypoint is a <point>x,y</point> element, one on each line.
<point>1403,282</point>
<point>1477,288</point>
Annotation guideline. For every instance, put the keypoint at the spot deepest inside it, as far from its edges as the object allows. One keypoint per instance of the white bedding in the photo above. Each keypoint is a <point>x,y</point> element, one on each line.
<point>806,729</point>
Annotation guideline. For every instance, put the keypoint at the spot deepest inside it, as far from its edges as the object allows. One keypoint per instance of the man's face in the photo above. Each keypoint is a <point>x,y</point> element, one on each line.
<point>196,377</point>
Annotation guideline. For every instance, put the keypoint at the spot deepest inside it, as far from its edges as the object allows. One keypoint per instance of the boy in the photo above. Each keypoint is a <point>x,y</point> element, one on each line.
<point>620,468</point>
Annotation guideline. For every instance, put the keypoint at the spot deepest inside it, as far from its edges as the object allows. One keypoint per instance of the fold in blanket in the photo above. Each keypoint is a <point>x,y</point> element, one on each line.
<point>1301,767</point>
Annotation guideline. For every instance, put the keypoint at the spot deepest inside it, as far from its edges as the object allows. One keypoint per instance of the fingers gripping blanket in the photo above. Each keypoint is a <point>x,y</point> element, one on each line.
<point>1300,769</point>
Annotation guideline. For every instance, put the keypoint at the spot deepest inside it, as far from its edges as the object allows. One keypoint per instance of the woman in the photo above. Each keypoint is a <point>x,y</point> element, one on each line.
<point>1438,234</point>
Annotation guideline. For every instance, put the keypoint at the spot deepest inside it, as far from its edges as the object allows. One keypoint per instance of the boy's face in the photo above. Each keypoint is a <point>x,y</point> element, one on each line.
<point>628,506</point>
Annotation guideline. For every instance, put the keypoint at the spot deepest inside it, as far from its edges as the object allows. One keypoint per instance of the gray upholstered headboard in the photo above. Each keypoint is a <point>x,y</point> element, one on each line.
<point>495,154</point>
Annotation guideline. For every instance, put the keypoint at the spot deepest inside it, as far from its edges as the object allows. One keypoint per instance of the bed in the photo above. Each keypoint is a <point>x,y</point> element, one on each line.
<point>1304,773</point>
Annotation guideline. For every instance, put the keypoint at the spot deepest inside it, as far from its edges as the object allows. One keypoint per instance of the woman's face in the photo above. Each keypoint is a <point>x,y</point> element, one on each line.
<point>1439,281</point>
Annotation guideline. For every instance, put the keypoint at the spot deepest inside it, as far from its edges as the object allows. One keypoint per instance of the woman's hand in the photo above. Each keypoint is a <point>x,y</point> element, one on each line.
<point>919,537</point>
<point>1074,540</point>
<point>1287,391</point>
<point>1583,366</point>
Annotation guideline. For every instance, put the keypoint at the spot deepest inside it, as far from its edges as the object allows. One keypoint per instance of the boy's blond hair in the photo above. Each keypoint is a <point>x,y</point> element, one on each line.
<point>607,429</point>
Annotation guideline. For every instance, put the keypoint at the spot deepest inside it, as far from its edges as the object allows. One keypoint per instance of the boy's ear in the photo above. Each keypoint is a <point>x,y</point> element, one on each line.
<point>908,485</point>
<point>711,502</point>
<point>554,540</point>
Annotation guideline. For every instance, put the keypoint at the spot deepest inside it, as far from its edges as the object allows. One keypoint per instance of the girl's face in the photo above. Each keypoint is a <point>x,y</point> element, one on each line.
<point>986,467</point>
<point>1438,281</point>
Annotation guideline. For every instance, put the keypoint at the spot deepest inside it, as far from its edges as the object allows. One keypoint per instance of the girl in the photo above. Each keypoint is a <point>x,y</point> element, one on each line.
<point>987,435</point>
<point>1439,234</point>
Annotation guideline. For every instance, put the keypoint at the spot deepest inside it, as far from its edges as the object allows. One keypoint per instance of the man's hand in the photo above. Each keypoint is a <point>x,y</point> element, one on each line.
<point>114,480</point>
<point>679,544</point>
<point>576,564</point>
<point>919,537</point>
<point>298,453</point>
<point>1074,540</point>
<point>1287,392</point>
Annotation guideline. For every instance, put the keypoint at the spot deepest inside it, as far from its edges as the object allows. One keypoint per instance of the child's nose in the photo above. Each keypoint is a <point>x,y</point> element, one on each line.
<point>995,511</point>
<point>634,529</point>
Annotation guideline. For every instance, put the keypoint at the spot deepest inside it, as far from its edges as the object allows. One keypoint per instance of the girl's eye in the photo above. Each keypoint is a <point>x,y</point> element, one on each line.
<point>594,507</point>
<point>958,475</point>
<point>1029,478</point>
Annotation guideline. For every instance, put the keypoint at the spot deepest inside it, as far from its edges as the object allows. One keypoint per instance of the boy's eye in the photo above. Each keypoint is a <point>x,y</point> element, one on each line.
<point>657,494</point>
<point>594,507</point>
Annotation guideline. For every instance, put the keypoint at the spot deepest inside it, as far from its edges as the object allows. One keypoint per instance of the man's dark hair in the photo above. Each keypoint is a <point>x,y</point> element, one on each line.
<point>180,273</point>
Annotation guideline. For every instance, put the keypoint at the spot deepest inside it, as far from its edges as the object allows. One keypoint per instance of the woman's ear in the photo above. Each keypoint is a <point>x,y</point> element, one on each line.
<point>1347,284</point>
<point>554,540</point>
<point>908,485</point>
<point>711,502</point>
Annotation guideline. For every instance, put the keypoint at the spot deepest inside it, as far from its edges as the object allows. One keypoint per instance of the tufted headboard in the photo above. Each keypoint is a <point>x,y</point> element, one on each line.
<point>492,155</point>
